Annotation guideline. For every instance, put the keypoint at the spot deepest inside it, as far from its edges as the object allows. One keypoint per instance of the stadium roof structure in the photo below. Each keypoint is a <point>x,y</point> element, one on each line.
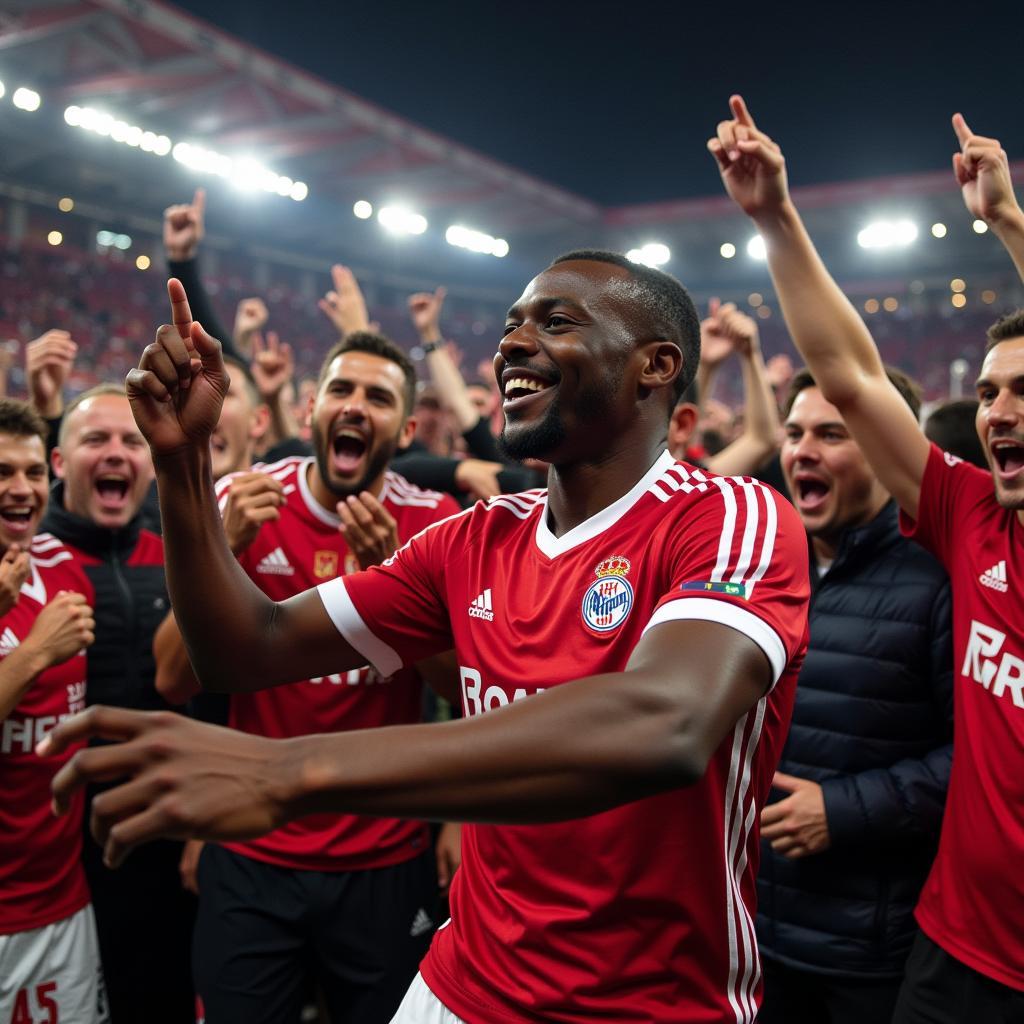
<point>151,65</point>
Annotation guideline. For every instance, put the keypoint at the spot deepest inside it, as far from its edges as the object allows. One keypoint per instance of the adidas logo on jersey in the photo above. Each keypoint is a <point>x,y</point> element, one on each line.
<point>420,923</point>
<point>995,577</point>
<point>8,641</point>
<point>481,608</point>
<point>275,564</point>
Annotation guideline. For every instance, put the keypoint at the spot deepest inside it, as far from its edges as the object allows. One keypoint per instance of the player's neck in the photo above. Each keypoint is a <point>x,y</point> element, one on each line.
<point>579,490</point>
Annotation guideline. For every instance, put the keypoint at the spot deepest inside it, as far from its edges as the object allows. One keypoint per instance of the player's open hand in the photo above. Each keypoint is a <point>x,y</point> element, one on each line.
<point>180,779</point>
<point>369,529</point>
<point>254,499</point>
<point>752,166</point>
<point>983,174</point>
<point>177,390</point>
<point>14,569</point>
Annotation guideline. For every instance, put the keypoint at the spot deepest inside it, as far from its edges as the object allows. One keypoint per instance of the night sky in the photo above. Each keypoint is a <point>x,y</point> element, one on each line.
<point>614,101</point>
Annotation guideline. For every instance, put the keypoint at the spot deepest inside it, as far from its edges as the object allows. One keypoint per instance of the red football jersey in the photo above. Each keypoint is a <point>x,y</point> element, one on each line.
<point>301,549</point>
<point>973,902</point>
<point>41,876</point>
<point>644,912</point>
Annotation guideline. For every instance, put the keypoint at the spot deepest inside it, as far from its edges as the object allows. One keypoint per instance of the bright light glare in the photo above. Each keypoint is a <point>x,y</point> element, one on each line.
<point>363,210</point>
<point>653,254</point>
<point>887,234</point>
<point>727,250</point>
<point>939,230</point>
<point>756,249</point>
<point>959,300</point>
<point>476,241</point>
<point>400,221</point>
<point>55,238</point>
<point>106,239</point>
<point>66,205</point>
<point>957,285</point>
<point>26,99</point>
<point>300,190</point>
<point>2,89</point>
<point>142,262</point>
<point>980,227</point>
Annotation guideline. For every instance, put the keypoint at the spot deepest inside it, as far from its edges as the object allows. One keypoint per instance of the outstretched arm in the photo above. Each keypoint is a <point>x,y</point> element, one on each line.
<point>983,174</point>
<point>760,437</point>
<point>237,638</point>
<point>574,750</point>
<point>825,327</point>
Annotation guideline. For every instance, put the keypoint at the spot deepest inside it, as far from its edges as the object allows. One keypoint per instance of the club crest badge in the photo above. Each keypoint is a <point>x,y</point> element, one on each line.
<point>609,599</point>
<point>325,564</point>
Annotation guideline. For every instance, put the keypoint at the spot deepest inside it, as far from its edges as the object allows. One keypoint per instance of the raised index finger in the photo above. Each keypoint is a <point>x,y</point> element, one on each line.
<point>181,314</point>
<point>963,133</point>
<point>739,110</point>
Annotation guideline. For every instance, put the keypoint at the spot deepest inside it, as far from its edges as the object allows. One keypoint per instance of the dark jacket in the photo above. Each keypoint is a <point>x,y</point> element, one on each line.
<point>126,569</point>
<point>873,725</point>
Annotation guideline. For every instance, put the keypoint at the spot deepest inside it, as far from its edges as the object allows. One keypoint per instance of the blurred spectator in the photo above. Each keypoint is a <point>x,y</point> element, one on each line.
<point>952,427</point>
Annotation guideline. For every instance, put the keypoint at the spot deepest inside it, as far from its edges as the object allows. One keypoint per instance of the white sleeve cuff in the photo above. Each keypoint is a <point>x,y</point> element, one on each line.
<point>708,609</point>
<point>350,625</point>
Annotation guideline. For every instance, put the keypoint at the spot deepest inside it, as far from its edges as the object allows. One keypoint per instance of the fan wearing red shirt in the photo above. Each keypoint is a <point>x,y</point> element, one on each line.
<point>49,954</point>
<point>628,643</point>
<point>968,962</point>
<point>296,901</point>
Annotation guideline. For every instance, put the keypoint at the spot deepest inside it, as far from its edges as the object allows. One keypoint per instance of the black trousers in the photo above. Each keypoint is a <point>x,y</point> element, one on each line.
<point>263,932</point>
<point>939,989</point>
<point>792,996</point>
<point>144,921</point>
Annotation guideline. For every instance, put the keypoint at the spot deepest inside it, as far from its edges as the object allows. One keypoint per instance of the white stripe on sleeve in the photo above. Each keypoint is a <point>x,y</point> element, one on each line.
<point>709,609</point>
<point>350,625</point>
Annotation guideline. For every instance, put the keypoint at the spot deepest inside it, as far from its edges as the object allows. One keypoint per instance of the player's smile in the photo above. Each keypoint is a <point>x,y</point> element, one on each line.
<point>349,447</point>
<point>524,389</point>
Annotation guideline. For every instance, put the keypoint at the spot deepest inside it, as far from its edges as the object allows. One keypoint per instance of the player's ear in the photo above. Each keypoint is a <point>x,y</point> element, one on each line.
<point>661,363</point>
<point>407,433</point>
<point>681,427</point>
<point>57,463</point>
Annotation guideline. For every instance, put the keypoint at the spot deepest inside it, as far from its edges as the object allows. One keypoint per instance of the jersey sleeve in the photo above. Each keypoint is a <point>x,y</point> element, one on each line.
<point>949,488</point>
<point>739,557</point>
<point>396,613</point>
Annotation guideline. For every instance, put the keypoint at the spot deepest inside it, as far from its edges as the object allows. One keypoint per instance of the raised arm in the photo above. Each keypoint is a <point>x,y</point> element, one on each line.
<point>760,437</point>
<point>569,752</point>
<point>237,638</point>
<point>983,174</point>
<point>825,327</point>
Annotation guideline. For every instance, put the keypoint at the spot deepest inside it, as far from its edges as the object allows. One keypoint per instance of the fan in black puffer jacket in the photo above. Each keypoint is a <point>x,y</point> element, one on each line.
<point>872,725</point>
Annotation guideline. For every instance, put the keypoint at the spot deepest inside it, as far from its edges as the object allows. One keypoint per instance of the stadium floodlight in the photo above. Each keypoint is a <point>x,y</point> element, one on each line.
<point>122,242</point>
<point>2,89</point>
<point>980,227</point>
<point>55,238</point>
<point>401,221</point>
<point>66,204</point>
<point>476,241</point>
<point>756,248</point>
<point>300,190</point>
<point>26,99</point>
<point>887,234</point>
<point>73,116</point>
<point>727,250</point>
<point>653,254</point>
<point>939,230</point>
<point>362,209</point>
<point>105,238</point>
<point>142,262</point>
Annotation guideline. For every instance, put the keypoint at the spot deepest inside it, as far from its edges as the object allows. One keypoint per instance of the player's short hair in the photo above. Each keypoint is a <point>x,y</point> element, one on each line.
<point>250,381</point>
<point>903,383</point>
<point>96,392</point>
<point>667,303</point>
<point>19,419</point>
<point>951,426</point>
<point>1005,328</point>
<point>375,345</point>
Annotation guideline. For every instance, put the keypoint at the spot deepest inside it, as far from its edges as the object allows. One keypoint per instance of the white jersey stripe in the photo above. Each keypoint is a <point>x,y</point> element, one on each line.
<point>768,543</point>
<point>517,510</point>
<point>749,530</point>
<point>728,530</point>
<point>730,891</point>
<point>47,563</point>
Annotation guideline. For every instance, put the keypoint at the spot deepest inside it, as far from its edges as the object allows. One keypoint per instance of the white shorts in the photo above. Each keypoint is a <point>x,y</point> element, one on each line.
<point>53,974</point>
<point>421,1006</point>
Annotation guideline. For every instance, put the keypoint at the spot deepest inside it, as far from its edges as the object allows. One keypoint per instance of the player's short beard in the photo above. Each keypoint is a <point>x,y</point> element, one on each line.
<point>541,439</point>
<point>374,468</point>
